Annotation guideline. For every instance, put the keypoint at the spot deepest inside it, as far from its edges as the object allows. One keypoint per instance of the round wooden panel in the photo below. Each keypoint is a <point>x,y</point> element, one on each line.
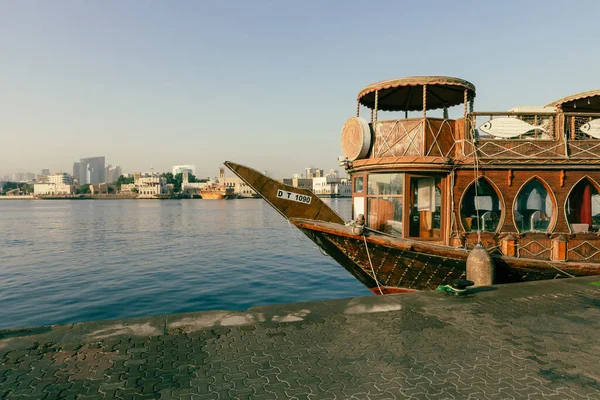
<point>356,138</point>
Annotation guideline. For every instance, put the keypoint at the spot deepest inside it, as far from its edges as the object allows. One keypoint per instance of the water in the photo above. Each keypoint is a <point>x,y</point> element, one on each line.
<point>67,261</point>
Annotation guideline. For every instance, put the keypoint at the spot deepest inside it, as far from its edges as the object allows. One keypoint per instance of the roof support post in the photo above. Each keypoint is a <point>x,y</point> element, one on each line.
<point>357,108</point>
<point>424,100</point>
<point>466,102</point>
<point>376,103</point>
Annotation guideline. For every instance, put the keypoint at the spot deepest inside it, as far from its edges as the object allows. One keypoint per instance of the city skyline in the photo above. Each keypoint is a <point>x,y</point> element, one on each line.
<point>262,84</point>
<point>115,171</point>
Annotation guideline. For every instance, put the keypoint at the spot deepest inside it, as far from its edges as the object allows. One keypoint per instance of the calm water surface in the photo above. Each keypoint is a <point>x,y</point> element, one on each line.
<point>68,261</point>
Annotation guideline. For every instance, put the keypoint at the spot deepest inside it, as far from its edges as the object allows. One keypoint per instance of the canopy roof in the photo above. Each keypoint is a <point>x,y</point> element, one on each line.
<point>580,102</point>
<point>406,94</point>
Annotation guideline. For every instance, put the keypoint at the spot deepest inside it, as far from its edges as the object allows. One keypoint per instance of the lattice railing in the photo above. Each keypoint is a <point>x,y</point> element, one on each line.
<point>514,126</point>
<point>533,137</point>
<point>535,249</point>
<point>414,137</point>
<point>581,126</point>
<point>584,251</point>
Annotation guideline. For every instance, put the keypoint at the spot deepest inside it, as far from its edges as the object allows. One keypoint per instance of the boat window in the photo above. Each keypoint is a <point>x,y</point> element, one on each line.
<point>583,208</point>
<point>382,184</point>
<point>384,202</point>
<point>533,208</point>
<point>425,207</point>
<point>358,184</point>
<point>480,196</point>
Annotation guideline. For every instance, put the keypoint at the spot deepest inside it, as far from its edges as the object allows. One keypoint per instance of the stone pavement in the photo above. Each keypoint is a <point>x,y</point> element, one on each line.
<point>538,340</point>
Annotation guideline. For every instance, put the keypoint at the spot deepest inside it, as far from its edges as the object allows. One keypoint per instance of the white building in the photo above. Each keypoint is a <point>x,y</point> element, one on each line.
<point>60,178</point>
<point>240,187</point>
<point>146,186</point>
<point>187,186</point>
<point>180,169</point>
<point>55,184</point>
<point>328,186</point>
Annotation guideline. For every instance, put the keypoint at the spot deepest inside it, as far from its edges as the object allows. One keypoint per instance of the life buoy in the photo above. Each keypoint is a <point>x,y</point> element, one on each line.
<point>356,138</point>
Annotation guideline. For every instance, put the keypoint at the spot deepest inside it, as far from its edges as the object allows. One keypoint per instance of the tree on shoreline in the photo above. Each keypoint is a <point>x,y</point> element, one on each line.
<point>84,189</point>
<point>177,180</point>
<point>123,181</point>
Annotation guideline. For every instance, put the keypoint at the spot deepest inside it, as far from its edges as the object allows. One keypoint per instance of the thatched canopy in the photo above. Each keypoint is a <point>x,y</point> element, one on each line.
<point>406,94</point>
<point>580,102</point>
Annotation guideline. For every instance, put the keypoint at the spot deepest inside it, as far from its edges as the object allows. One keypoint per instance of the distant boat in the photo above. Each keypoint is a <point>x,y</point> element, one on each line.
<point>217,192</point>
<point>526,185</point>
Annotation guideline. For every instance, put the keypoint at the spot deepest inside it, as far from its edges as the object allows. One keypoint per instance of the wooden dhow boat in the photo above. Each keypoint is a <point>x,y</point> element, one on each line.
<point>217,192</point>
<point>427,189</point>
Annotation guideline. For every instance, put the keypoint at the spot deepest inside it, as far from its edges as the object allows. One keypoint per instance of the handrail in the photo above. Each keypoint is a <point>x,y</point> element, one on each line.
<point>530,113</point>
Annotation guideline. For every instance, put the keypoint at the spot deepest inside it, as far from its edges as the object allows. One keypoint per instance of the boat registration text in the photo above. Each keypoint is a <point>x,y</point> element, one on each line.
<point>300,198</point>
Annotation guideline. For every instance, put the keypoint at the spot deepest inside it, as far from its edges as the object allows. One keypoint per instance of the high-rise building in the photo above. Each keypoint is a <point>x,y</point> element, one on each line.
<point>90,171</point>
<point>76,172</point>
<point>45,172</point>
<point>180,169</point>
<point>313,173</point>
<point>23,177</point>
<point>113,173</point>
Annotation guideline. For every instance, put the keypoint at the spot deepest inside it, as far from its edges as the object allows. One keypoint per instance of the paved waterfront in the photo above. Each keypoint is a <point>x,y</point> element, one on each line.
<point>525,341</point>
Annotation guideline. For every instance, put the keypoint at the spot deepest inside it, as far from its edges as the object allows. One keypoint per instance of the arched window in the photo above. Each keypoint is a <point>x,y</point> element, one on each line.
<point>583,207</point>
<point>480,195</point>
<point>534,208</point>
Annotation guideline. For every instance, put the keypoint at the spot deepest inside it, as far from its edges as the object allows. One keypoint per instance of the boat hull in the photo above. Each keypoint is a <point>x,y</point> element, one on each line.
<point>389,264</point>
<point>395,264</point>
<point>215,196</point>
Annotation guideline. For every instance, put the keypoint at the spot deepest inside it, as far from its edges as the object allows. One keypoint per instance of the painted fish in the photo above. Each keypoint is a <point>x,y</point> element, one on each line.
<point>591,128</point>
<point>508,127</point>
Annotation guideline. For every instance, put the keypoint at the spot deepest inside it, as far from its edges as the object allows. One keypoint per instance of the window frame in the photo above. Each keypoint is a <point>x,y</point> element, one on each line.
<point>553,218</point>
<point>502,216</point>
<point>565,210</point>
<point>444,205</point>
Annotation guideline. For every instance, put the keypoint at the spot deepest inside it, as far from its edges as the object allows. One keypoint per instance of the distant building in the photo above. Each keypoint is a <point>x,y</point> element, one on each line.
<point>113,173</point>
<point>56,184</point>
<point>90,171</point>
<point>45,172</point>
<point>313,173</point>
<point>150,186</point>
<point>195,187</point>
<point>77,172</point>
<point>302,183</point>
<point>102,188</point>
<point>22,177</point>
<point>332,187</point>
<point>240,188</point>
<point>180,169</point>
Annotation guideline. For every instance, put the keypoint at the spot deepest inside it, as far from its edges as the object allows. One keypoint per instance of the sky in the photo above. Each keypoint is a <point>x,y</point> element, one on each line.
<point>268,84</point>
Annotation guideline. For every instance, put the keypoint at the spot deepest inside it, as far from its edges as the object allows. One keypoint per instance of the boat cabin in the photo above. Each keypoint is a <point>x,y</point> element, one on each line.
<point>523,182</point>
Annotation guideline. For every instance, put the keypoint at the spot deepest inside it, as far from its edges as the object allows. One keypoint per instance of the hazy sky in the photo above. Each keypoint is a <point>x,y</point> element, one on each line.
<point>264,83</point>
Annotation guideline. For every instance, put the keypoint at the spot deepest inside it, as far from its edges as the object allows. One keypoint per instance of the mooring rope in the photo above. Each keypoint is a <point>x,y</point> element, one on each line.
<point>371,264</point>
<point>476,172</point>
<point>560,270</point>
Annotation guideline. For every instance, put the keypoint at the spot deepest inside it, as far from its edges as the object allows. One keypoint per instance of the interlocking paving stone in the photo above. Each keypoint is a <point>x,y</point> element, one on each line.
<point>523,341</point>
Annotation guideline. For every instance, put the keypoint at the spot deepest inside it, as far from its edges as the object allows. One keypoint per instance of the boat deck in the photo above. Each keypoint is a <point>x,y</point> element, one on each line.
<point>533,340</point>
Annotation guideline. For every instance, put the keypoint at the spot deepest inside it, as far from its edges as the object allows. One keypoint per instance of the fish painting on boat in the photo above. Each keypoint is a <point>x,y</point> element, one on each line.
<point>591,128</point>
<point>507,127</point>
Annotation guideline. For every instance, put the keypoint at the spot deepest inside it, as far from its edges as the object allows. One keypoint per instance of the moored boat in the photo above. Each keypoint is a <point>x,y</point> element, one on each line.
<point>217,192</point>
<point>524,183</point>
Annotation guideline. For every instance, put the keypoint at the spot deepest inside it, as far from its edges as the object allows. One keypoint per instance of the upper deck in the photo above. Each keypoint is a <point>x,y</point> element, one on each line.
<point>562,133</point>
